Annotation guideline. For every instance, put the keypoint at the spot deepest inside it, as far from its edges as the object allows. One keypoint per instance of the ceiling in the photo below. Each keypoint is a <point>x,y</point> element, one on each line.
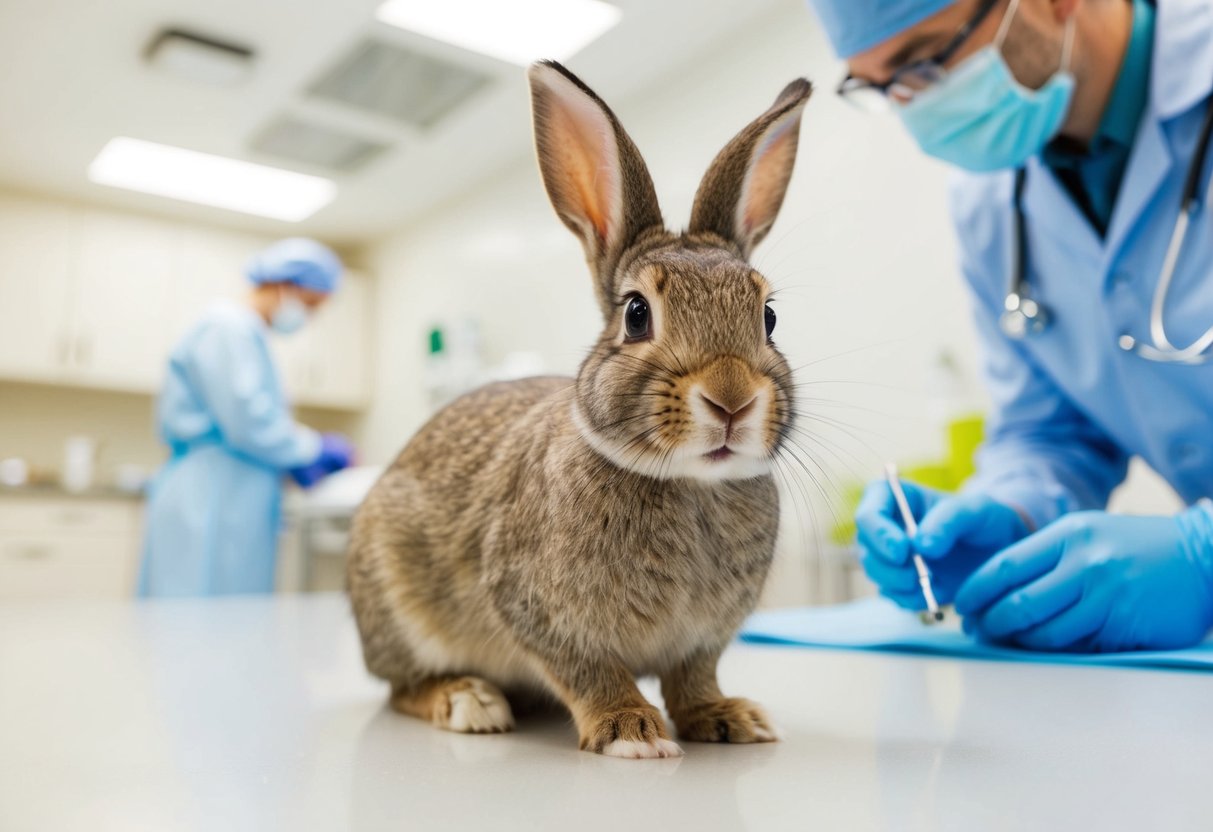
<point>75,77</point>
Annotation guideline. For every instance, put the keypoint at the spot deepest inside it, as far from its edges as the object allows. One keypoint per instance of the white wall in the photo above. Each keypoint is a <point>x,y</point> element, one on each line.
<point>851,255</point>
<point>863,255</point>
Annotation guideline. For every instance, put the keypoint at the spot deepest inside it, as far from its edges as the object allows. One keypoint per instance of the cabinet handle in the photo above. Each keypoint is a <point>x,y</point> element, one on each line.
<point>70,517</point>
<point>29,551</point>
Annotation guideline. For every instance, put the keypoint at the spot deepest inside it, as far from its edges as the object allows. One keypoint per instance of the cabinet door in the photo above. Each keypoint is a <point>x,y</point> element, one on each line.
<point>35,264</point>
<point>68,548</point>
<point>126,279</point>
<point>339,371</point>
<point>293,358</point>
<point>212,269</point>
<point>58,567</point>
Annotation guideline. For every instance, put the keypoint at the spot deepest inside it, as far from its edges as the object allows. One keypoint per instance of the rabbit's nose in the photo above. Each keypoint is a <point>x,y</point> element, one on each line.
<point>726,414</point>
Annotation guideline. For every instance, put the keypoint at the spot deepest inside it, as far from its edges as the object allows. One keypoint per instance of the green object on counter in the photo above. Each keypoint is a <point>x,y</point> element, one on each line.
<point>965,436</point>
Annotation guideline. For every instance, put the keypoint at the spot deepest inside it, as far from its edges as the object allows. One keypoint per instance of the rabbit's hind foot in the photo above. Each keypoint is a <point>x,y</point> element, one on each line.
<point>726,720</point>
<point>464,704</point>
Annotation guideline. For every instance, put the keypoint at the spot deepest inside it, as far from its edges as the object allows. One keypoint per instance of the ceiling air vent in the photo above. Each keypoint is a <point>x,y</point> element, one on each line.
<point>298,141</point>
<point>196,57</point>
<point>399,83</point>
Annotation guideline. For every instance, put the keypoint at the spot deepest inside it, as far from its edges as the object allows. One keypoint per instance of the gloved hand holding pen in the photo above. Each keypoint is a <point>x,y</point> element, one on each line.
<point>956,535</point>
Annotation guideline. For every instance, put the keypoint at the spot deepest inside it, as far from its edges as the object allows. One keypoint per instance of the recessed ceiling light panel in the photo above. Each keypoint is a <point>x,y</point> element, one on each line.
<point>188,175</point>
<point>517,31</point>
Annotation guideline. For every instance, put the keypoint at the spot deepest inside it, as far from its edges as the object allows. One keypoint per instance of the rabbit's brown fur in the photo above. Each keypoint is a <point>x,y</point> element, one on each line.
<point>569,535</point>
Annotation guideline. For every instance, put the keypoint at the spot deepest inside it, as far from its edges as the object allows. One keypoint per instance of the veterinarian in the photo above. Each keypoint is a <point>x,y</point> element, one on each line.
<point>1079,130</point>
<point>214,510</point>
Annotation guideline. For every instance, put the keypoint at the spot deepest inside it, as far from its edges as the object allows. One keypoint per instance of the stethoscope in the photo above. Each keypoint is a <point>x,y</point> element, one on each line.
<point>1023,315</point>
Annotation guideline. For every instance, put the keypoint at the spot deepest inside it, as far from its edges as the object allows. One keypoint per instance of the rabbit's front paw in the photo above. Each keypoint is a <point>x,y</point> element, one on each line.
<point>635,733</point>
<point>726,720</point>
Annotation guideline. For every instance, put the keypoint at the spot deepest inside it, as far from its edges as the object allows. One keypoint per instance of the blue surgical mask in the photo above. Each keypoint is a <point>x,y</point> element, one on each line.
<point>980,118</point>
<point>290,315</point>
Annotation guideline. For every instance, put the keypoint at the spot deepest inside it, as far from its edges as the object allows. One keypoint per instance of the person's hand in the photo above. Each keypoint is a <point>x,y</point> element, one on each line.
<point>1096,582</point>
<point>956,535</point>
<point>336,453</point>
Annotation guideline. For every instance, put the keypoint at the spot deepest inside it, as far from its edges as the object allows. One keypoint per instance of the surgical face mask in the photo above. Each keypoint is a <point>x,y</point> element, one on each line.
<point>980,118</point>
<point>290,315</point>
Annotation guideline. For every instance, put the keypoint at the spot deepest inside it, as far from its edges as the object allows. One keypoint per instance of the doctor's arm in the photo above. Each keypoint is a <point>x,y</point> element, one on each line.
<point>1089,581</point>
<point>1042,458</point>
<point>232,371</point>
<point>1042,455</point>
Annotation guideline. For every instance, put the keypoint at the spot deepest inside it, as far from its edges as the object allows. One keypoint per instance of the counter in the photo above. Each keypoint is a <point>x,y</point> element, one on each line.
<point>58,492</point>
<point>257,715</point>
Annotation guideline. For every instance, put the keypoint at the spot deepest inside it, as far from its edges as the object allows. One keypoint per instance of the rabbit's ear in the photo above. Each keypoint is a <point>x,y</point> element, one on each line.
<point>742,192</point>
<point>594,174</point>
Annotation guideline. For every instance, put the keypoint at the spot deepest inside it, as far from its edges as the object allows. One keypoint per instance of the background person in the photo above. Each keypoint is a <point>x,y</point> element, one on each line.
<point>214,510</point>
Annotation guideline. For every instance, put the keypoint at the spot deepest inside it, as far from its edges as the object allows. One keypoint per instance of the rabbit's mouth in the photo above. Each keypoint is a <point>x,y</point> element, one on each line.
<point>720,454</point>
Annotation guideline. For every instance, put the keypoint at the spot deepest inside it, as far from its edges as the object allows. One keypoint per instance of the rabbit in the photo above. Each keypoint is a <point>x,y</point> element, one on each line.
<point>568,535</point>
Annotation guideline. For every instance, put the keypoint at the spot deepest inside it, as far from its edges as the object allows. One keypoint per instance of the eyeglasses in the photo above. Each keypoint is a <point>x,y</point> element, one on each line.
<point>911,79</point>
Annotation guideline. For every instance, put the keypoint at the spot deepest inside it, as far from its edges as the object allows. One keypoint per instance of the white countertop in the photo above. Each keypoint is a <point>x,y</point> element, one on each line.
<point>257,715</point>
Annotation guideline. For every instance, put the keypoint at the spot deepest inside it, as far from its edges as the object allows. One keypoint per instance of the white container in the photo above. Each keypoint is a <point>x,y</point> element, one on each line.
<point>79,457</point>
<point>14,472</point>
<point>130,478</point>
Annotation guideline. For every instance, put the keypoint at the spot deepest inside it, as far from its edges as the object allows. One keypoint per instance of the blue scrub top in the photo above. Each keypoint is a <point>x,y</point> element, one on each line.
<point>214,509</point>
<point>1069,406</point>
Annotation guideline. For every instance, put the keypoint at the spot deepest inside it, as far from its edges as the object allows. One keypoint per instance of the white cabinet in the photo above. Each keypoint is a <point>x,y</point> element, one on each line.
<point>126,283</point>
<point>343,363</point>
<point>61,548</point>
<point>327,364</point>
<point>35,269</point>
<point>98,299</point>
<point>212,268</point>
<point>83,295</point>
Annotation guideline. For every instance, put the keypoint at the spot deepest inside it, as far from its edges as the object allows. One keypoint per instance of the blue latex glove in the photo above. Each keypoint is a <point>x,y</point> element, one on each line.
<point>1096,582</point>
<point>956,535</point>
<point>336,453</point>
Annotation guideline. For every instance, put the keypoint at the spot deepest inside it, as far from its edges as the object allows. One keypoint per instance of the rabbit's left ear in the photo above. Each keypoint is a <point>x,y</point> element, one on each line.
<point>742,192</point>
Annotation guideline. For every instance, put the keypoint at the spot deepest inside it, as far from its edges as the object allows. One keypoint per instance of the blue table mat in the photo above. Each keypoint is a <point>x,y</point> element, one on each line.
<point>878,624</point>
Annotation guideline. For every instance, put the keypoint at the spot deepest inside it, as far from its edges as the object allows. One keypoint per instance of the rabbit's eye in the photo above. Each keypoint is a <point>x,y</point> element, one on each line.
<point>770,317</point>
<point>636,318</point>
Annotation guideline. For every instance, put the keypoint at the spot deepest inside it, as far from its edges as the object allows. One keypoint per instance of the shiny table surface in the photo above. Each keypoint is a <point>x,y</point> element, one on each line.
<point>257,714</point>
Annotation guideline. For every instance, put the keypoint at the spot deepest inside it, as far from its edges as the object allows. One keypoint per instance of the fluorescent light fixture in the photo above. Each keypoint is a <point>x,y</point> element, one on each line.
<point>517,31</point>
<point>191,176</point>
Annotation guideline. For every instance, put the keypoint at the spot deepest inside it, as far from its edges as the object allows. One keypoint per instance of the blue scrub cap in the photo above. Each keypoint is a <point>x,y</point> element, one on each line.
<point>298,260</point>
<point>857,25</point>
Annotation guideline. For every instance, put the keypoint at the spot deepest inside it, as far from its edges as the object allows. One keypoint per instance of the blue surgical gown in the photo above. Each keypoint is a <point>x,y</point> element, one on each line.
<point>214,510</point>
<point>1069,406</point>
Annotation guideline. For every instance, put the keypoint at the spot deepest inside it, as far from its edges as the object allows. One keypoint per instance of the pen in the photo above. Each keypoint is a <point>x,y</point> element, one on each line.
<point>907,519</point>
